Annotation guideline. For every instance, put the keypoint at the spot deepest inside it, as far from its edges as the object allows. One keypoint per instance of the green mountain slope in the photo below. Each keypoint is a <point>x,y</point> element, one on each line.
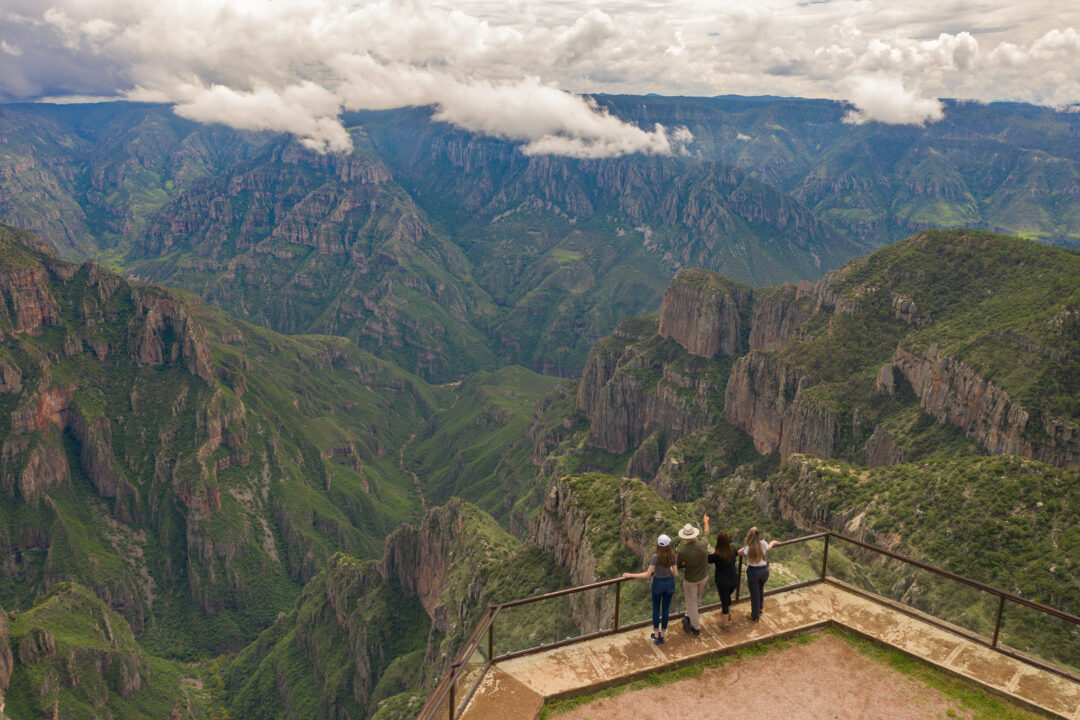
<point>73,657</point>
<point>191,470</point>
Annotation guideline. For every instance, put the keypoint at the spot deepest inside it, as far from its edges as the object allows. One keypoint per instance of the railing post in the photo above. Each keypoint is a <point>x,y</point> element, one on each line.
<point>997,623</point>
<point>825,558</point>
<point>738,580</point>
<point>618,595</point>
<point>491,637</point>
<point>453,681</point>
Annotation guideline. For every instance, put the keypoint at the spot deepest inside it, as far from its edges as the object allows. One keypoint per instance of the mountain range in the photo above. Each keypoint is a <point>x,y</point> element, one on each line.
<point>273,431</point>
<point>447,252</point>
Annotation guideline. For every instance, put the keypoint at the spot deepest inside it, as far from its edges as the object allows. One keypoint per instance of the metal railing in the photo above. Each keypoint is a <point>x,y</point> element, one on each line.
<point>448,700</point>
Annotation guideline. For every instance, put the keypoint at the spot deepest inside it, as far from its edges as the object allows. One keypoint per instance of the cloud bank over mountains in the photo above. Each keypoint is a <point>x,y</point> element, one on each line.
<point>514,69</point>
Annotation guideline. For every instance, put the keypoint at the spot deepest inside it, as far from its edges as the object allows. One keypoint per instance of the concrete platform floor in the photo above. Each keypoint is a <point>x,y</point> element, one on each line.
<point>517,688</point>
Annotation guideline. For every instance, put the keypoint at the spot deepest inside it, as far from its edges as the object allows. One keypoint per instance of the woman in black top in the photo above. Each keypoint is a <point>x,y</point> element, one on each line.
<point>727,576</point>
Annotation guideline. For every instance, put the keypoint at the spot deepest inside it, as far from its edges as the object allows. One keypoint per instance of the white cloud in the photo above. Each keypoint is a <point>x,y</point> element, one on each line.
<point>884,99</point>
<point>505,68</point>
<point>306,110</point>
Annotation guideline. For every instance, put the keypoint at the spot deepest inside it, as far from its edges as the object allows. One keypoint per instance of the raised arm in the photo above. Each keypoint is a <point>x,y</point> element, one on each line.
<point>705,519</point>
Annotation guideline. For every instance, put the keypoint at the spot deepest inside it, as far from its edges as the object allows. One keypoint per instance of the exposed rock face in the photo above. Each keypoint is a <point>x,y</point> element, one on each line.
<point>953,393</point>
<point>764,398</point>
<point>46,467</point>
<point>29,299</point>
<point>167,334</point>
<point>758,394</point>
<point>10,378</point>
<point>701,312</point>
<point>96,455</point>
<point>562,530</point>
<point>886,380</point>
<point>615,406</point>
<point>881,449</point>
<point>777,313</point>
<point>47,407</point>
<point>907,311</point>
<point>420,556</point>
<point>623,411</point>
<point>343,629</point>
<point>38,645</point>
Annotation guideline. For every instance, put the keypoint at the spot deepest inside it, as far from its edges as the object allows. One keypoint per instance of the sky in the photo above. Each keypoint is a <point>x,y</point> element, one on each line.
<point>521,70</point>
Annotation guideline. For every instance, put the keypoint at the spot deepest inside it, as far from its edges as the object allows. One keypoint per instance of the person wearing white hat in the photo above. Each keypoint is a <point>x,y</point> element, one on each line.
<point>694,558</point>
<point>662,569</point>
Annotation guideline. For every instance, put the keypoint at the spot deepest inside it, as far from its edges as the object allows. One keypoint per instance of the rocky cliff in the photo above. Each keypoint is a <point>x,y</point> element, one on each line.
<point>303,242</point>
<point>830,368</point>
<point>175,449</point>
<point>631,389</point>
<point>701,311</point>
<point>72,653</point>
<point>364,632</point>
<point>954,393</point>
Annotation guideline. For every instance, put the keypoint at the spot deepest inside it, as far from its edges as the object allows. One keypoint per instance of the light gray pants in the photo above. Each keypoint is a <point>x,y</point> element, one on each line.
<point>693,592</point>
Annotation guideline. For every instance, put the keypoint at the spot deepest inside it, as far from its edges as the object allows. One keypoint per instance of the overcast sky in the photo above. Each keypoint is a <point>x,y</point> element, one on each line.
<point>516,68</point>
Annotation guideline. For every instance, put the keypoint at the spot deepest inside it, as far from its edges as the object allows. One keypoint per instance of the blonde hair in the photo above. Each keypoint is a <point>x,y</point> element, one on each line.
<point>753,546</point>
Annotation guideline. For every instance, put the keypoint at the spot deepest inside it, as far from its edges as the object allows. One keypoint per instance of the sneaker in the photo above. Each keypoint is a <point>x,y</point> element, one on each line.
<point>686,624</point>
<point>695,631</point>
<point>656,640</point>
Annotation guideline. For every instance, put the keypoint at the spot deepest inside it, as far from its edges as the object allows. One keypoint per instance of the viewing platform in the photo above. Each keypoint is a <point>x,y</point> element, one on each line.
<point>518,684</point>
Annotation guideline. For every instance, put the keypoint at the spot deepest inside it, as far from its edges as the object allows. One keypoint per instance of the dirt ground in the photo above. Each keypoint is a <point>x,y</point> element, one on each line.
<point>823,679</point>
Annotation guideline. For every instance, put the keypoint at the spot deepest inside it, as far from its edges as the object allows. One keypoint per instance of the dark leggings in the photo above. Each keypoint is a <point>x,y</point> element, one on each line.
<point>725,596</point>
<point>755,581</point>
<point>662,591</point>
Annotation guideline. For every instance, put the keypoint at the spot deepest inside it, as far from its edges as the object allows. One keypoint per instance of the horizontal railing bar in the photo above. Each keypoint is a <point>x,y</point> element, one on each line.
<point>560,593</point>
<point>961,579</point>
<point>561,643</point>
<point>643,623</point>
<point>805,538</point>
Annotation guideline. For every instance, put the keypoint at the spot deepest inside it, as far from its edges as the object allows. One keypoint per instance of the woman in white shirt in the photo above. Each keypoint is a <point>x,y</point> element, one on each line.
<point>756,551</point>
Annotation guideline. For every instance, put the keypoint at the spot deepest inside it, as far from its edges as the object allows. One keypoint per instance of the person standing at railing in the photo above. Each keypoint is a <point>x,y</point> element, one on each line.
<point>756,551</point>
<point>662,569</point>
<point>727,575</point>
<point>693,560</point>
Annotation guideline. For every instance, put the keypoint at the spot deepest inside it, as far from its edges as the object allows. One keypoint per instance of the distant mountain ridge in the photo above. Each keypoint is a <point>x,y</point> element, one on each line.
<point>448,252</point>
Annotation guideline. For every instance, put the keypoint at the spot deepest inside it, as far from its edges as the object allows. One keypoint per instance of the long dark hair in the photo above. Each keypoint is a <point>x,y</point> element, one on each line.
<point>723,548</point>
<point>665,556</point>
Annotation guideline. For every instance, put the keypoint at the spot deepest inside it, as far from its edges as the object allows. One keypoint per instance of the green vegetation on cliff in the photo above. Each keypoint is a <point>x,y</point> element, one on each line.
<point>76,658</point>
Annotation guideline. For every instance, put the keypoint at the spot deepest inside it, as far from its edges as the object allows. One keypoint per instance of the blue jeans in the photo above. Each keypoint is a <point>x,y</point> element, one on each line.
<point>756,578</point>
<point>662,591</point>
